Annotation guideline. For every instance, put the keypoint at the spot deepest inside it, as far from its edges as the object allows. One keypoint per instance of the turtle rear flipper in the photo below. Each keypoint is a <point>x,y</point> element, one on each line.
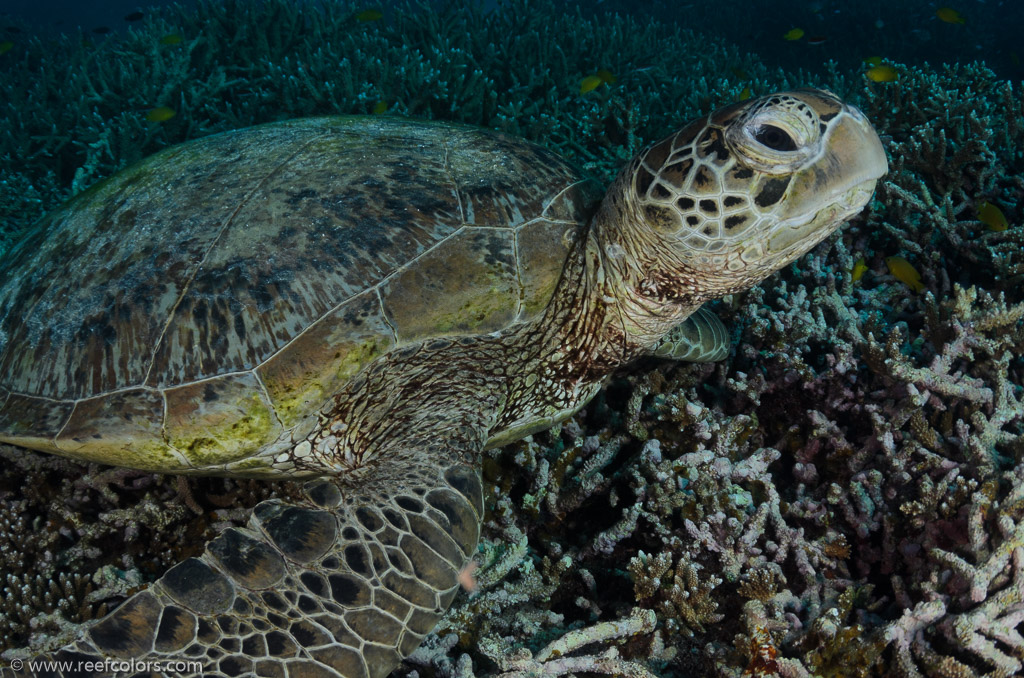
<point>350,582</point>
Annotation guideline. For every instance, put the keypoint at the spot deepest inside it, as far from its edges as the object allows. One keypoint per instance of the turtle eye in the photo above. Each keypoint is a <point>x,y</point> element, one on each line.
<point>774,138</point>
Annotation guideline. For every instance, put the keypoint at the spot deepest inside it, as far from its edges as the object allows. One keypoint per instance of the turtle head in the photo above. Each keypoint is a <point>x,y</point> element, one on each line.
<point>731,198</point>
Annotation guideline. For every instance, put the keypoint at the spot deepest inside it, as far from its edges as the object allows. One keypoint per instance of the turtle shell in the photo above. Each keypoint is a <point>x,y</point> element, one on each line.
<point>195,311</point>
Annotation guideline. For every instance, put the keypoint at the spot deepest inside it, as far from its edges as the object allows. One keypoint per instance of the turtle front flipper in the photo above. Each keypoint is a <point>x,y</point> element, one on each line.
<point>347,584</point>
<point>701,338</point>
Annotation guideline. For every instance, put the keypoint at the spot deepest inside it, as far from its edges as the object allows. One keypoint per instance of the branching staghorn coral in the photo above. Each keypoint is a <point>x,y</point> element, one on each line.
<point>556,658</point>
<point>976,606</point>
<point>74,108</point>
<point>956,139</point>
<point>684,597</point>
<point>61,520</point>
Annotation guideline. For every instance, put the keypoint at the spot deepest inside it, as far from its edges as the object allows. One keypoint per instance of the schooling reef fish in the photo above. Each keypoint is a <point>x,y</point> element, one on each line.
<point>882,73</point>
<point>592,82</point>
<point>993,217</point>
<point>370,15</point>
<point>904,271</point>
<point>160,114</point>
<point>949,15</point>
<point>860,267</point>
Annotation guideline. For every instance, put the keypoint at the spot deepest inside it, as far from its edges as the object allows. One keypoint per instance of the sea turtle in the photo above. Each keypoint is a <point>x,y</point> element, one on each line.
<point>370,302</point>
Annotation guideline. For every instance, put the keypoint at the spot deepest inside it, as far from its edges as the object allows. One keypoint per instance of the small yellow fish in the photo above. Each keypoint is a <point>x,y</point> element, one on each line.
<point>949,15</point>
<point>6,46</point>
<point>993,217</point>
<point>171,39</point>
<point>370,15</point>
<point>380,107</point>
<point>793,34</point>
<point>883,73</point>
<point>740,73</point>
<point>590,83</point>
<point>745,94</point>
<point>874,61</point>
<point>160,114</point>
<point>606,76</point>
<point>904,271</point>
<point>859,268</point>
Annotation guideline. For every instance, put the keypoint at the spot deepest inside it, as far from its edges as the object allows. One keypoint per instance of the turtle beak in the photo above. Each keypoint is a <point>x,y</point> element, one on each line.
<point>835,185</point>
<point>856,148</point>
<point>853,157</point>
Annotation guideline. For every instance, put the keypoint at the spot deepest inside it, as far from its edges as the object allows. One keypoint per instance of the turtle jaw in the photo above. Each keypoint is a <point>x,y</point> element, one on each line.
<point>790,239</point>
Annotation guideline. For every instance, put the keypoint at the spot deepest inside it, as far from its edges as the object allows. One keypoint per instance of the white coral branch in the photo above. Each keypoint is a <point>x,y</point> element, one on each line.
<point>552,660</point>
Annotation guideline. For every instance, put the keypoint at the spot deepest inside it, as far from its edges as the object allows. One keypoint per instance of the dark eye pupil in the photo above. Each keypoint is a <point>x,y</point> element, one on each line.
<point>774,138</point>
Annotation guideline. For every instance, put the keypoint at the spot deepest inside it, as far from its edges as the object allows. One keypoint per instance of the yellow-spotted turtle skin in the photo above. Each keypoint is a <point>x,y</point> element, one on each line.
<point>369,303</point>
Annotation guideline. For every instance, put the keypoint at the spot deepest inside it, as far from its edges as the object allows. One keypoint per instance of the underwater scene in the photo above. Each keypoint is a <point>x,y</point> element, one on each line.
<point>503,446</point>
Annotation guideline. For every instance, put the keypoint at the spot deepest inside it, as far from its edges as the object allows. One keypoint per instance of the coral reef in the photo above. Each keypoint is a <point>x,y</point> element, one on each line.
<point>75,108</point>
<point>842,496</point>
<point>77,539</point>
